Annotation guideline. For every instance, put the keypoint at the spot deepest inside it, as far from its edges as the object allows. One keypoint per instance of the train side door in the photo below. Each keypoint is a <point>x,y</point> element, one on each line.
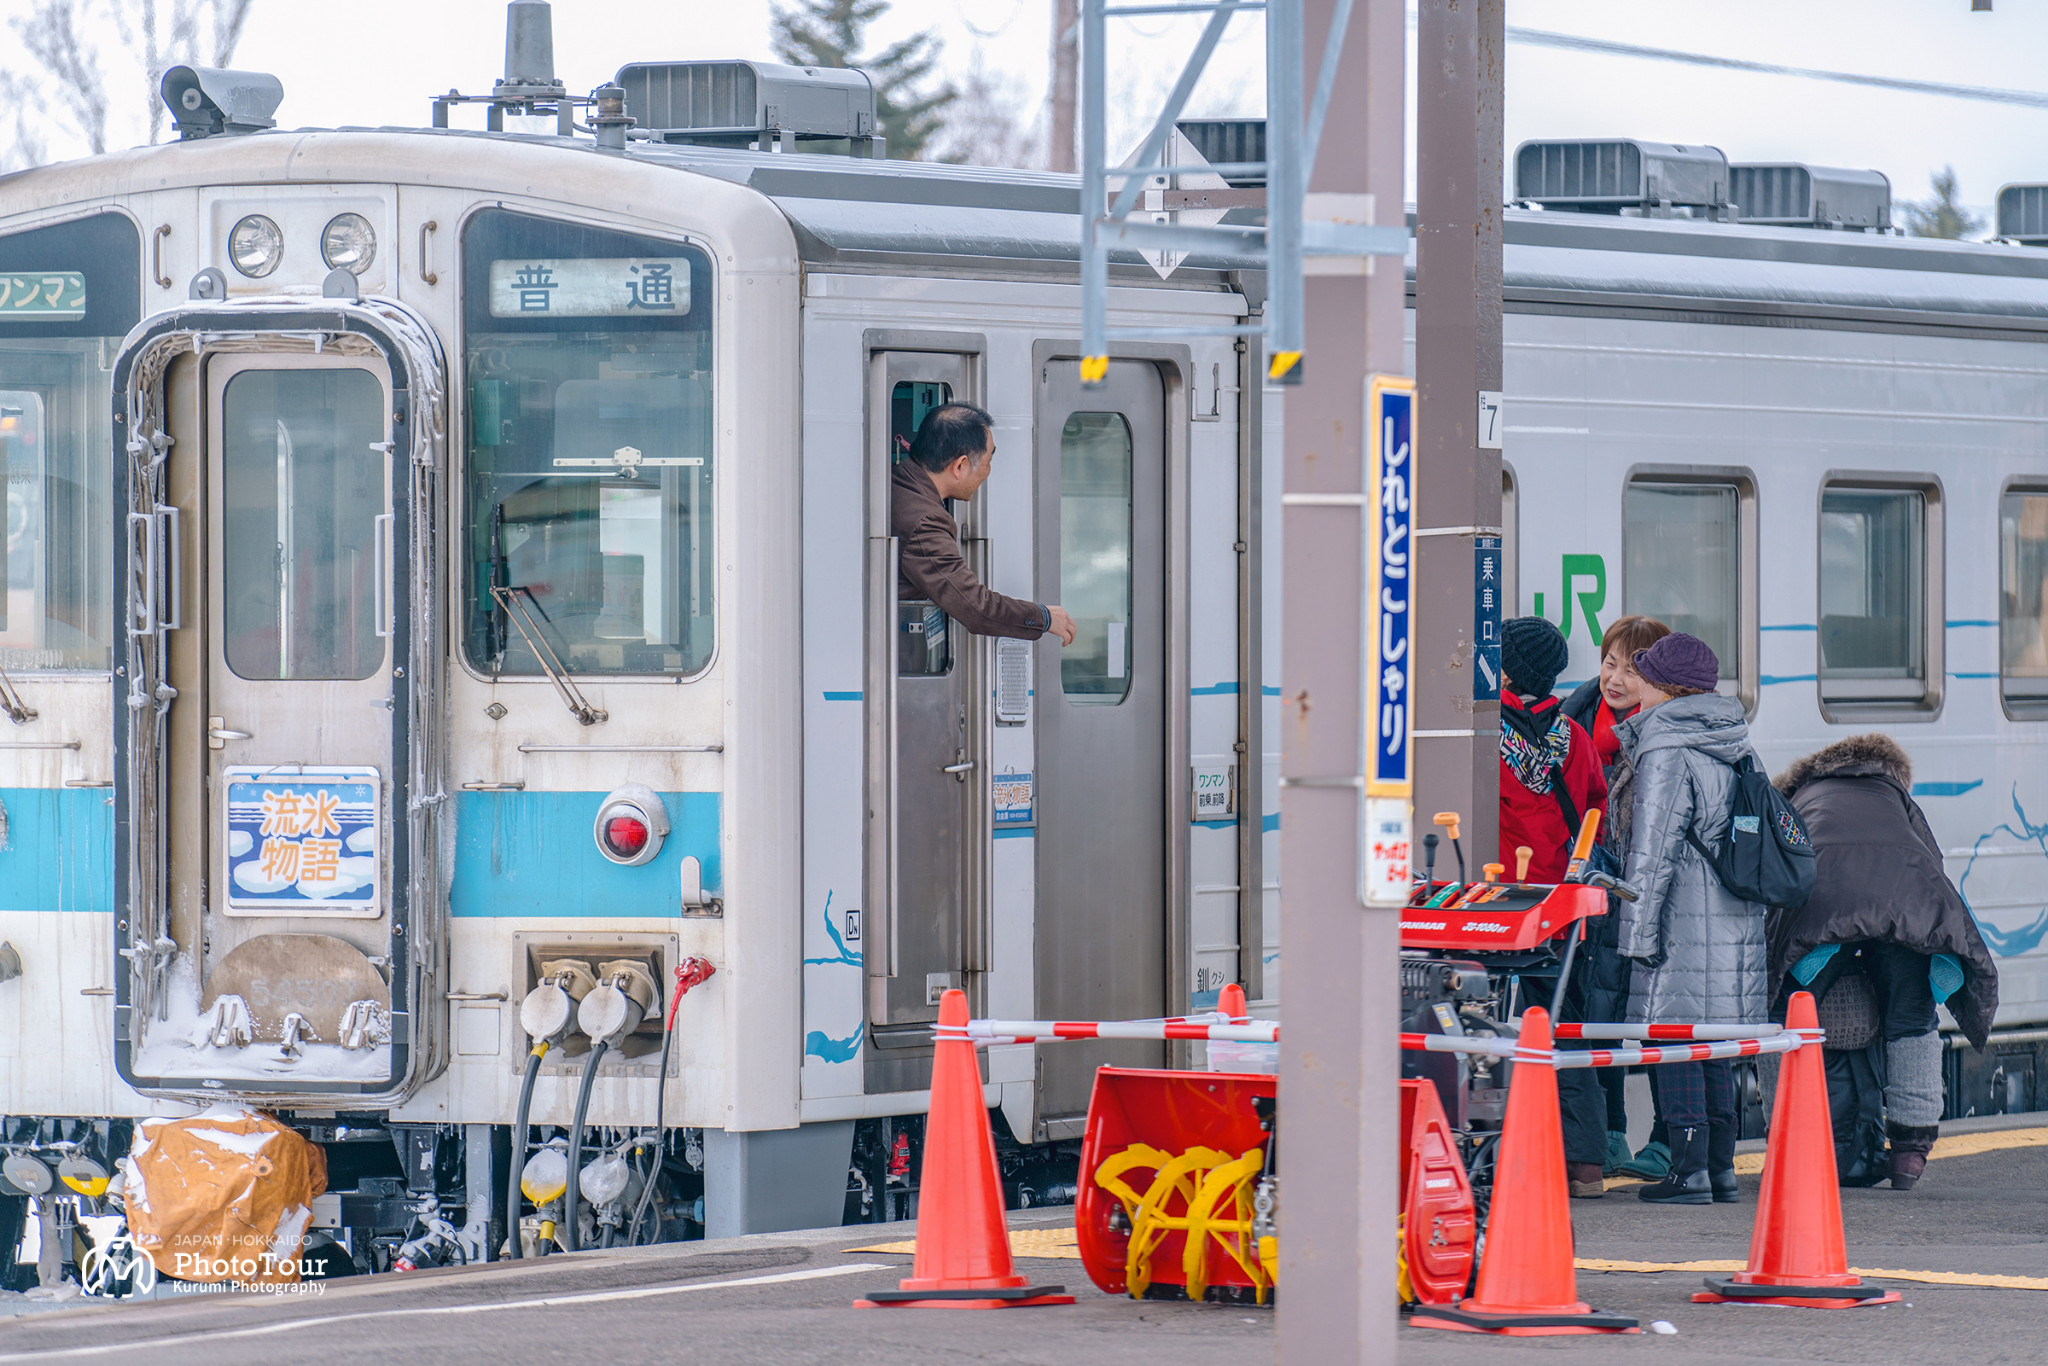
<point>1100,718</point>
<point>926,745</point>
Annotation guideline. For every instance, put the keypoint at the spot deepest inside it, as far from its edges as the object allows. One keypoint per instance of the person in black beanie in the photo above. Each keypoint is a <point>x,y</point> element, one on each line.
<point>1549,778</point>
<point>1549,775</point>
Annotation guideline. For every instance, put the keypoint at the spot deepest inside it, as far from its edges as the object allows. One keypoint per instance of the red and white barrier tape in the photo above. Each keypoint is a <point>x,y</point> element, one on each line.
<point>1213,1027</point>
<point>1779,1041</point>
<point>1656,1033</point>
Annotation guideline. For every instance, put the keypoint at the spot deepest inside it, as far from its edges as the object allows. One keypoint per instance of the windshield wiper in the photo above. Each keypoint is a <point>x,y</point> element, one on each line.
<point>16,710</point>
<point>550,663</point>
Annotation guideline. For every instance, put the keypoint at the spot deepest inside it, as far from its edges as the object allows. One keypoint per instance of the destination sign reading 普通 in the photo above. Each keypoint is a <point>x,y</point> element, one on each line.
<point>604,287</point>
<point>44,295</point>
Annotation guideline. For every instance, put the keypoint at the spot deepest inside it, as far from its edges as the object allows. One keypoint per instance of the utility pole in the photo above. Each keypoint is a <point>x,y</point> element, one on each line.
<point>1460,44</point>
<point>1066,62</point>
<point>1339,1061</point>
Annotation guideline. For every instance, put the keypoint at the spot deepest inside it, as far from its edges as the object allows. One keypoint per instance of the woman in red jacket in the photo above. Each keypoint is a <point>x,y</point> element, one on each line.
<point>1549,774</point>
<point>1549,779</point>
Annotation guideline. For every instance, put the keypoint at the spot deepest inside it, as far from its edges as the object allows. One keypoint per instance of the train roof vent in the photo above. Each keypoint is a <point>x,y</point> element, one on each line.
<point>1621,175</point>
<point>1230,141</point>
<point>2023,214</point>
<point>1792,195</point>
<point>741,104</point>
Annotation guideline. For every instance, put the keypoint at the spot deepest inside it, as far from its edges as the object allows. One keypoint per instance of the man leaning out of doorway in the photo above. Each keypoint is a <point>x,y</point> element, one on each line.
<point>951,458</point>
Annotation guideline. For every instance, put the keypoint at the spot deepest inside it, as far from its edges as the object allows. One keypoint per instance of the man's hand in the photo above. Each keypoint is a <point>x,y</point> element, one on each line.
<point>1062,624</point>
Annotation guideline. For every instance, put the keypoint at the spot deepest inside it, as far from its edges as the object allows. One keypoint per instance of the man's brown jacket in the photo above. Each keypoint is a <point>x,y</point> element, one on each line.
<point>933,568</point>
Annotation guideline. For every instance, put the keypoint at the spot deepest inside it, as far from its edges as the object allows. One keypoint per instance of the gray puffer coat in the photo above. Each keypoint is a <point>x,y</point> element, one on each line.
<point>1699,949</point>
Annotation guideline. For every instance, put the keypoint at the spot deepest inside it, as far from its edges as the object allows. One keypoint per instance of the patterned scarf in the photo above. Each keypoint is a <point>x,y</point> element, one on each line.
<point>1535,755</point>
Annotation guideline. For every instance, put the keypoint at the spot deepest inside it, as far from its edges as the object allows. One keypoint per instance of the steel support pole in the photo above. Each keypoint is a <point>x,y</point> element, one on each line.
<point>1339,1061</point>
<point>1457,354</point>
<point>1285,326</point>
<point>1094,195</point>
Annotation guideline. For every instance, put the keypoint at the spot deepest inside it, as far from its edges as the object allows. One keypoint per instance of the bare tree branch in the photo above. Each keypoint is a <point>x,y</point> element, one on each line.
<point>229,17</point>
<point>25,148</point>
<point>50,34</point>
<point>63,74</point>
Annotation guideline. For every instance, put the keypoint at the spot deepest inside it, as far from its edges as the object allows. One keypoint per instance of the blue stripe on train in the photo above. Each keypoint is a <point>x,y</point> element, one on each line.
<point>58,854</point>
<point>532,854</point>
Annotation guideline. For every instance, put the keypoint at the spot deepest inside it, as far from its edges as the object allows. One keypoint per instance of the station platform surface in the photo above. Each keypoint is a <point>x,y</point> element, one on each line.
<point>1980,1213</point>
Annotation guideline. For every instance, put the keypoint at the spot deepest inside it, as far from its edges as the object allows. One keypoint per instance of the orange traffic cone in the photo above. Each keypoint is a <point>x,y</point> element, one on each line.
<point>1527,1287</point>
<point>1796,1251</point>
<point>1230,1002</point>
<point>963,1243</point>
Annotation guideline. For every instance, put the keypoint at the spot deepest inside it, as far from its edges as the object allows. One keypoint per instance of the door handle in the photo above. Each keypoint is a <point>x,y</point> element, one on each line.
<point>380,573</point>
<point>218,735</point>
<point>967,767</point>
<point>170,565</point>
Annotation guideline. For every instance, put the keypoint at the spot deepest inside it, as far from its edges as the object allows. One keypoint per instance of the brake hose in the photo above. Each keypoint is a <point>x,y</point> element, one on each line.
<point>692,971</point>
<point>519,1147</point>
<point>572,1226</point>
<point>653,1172</point>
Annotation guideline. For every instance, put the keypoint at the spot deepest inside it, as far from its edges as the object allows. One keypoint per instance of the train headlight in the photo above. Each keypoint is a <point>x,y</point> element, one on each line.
<point>255,246</point>
<point>631,825</point>
<point>349,243</point>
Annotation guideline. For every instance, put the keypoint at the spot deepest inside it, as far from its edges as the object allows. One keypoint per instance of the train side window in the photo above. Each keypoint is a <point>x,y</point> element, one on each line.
<point>924,645</point>
<point>1095,556</point>
<point>68,293</point>
<point>1880,642</point>
<point>2023,601</point>
<point>1688,547</point>
<point>589,482</point>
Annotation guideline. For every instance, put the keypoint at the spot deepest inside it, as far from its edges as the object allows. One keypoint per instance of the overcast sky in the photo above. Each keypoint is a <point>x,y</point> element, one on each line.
<point>372,61</point>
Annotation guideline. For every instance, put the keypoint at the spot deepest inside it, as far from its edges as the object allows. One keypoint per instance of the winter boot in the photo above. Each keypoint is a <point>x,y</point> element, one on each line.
<point>1650,1164</point>
<point>1586,1180</point>
<point>1618,1152</point>
<point>1686,1183</point>
<point>1910,1145</point>
<point>1721,1162</point>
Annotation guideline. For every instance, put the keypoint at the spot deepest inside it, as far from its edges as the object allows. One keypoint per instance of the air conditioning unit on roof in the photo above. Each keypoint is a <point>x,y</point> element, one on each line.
<point>1794,195</point>
<point>740,104</point>
<point>1622,175</point>
<point>2023,214</point>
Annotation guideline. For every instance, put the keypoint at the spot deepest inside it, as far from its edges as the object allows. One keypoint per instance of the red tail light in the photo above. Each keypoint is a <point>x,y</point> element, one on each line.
<point>625,835</point>
<point>631,825</point>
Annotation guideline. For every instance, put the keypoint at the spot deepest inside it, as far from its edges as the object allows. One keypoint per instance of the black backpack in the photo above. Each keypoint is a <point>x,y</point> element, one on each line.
<point>1767,856</point>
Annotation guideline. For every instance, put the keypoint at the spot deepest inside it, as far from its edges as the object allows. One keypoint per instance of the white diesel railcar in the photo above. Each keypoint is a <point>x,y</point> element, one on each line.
<point>449,572</point>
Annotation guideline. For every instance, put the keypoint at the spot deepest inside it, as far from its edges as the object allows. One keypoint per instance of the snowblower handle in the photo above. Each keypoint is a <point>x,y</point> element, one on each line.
<point>1589,830</point>
<point>1449,821</point>
<point>1523,853</point>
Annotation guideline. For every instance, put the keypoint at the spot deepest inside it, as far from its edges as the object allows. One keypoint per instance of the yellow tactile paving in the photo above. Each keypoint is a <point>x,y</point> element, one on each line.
<point>1956,1145</point>
<point>1926,1277</point>
<point>1059,1243</point>
<point>1050,1243</point>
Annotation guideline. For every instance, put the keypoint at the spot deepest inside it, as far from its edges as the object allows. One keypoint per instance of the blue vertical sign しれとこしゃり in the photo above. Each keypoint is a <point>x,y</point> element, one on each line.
<point>1388,630</point>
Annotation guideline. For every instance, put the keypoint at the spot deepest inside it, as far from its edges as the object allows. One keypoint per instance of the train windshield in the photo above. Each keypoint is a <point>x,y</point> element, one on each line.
<point>67,295</point>
<point>589,478</point>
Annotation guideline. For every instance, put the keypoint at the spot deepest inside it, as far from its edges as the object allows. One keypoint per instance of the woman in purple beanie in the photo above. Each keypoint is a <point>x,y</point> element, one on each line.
<point>1697,949</point>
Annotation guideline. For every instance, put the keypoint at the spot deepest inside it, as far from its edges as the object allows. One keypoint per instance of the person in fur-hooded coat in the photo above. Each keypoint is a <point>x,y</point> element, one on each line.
<point>1883,905</point>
